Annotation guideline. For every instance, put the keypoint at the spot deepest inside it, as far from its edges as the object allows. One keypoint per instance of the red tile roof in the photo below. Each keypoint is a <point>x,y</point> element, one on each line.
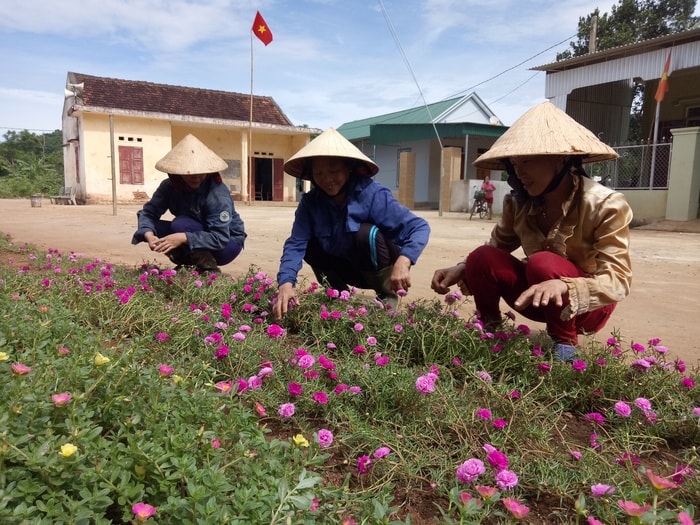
<point>136,95</point>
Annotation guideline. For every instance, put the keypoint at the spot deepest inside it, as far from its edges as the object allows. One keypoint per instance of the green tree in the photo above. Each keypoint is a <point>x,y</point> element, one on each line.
<point>30,163</point>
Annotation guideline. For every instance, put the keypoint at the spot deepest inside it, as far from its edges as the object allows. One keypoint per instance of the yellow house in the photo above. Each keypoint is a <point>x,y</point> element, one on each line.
<point>114,132</point>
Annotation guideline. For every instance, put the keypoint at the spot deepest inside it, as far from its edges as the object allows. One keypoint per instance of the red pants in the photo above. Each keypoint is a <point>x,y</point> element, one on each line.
<point>492,274</point>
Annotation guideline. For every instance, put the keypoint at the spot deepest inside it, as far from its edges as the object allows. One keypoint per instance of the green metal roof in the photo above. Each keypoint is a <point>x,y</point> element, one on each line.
<point>383,134</point>
<point>358,129</point>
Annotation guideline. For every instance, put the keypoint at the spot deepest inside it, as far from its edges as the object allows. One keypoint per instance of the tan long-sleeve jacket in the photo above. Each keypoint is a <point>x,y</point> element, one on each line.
<point>593,233</point>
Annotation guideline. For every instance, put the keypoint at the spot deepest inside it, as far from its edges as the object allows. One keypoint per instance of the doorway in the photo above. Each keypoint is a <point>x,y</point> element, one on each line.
<point>263,179</point>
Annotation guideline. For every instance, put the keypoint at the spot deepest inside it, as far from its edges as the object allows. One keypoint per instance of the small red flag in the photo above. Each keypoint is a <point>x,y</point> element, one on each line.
<point>663,83</point>
<point>261,29</point>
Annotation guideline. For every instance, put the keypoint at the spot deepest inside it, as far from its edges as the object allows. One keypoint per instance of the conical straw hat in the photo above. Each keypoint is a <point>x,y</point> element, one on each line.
<point>545,130</point>
<point>330,143</point>
<point>191,157</point>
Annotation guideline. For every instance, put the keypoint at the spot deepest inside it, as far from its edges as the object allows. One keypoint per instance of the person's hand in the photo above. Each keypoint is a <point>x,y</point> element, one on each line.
<point>152,239</point>
<point>286,296</point>
<point>542,294</point>
<point>401,274</point>
<point>169,242</point>
<point>446,277</point>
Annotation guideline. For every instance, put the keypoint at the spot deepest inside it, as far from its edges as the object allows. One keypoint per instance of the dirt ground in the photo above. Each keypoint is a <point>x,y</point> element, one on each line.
<point>664,301</point>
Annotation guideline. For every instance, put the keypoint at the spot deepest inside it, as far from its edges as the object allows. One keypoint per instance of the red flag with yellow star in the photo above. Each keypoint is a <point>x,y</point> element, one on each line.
<point>261,29</point>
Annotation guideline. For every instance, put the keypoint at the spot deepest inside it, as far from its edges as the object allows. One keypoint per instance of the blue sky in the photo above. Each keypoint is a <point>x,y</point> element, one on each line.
<point>331,61</point>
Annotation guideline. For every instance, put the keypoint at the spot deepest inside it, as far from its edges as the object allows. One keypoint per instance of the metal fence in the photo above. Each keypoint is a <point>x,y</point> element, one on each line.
<point>643,166</point>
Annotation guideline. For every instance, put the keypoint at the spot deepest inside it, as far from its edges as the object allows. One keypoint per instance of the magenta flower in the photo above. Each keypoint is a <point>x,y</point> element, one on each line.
<point>517,509</point>
<point>306,361</point>
<point>162,337</point>
<point>497,459</point>
<point>599,490</point>
<point>275,331</point>
<point>364,464</point>
<point>470,470</point>
<point>688,382</point>
<point>684,518</point>
<point>143,511</point>
<point>499,424</point>
<point>358,327</point>
<point>544,367</point>
<point>221,352</point>
<point>61,399</point>
<point>576,454</point>
<point>506,479</point>
<point>628,458</point>
<point>295,389</point>
<point>622,409</point>
<point>359,350</point>
<point>165,370</point>
<point>681,473</point>
<point>320,397</point>
<point>483,413</point>
<point>382,452</point>
<point>579,366</point>
<point>593,521</point>
<point>371,341</point>
<point>381,360</point>
<point>215,443</point>
<point>286,410</point>
<point>595,417</point>
<point>325,438</point>
<point>484,376</point>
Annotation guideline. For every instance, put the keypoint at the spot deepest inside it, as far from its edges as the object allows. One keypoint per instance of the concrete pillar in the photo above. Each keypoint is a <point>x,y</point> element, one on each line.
<point>407,179</point>
<point>684,177</point>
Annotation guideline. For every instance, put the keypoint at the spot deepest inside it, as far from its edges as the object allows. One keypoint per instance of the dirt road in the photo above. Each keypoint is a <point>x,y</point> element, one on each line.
<point>664,302</point>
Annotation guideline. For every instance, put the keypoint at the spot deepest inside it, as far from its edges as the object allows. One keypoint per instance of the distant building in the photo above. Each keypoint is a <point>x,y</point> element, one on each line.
<point>465,125</point>
<point>141,121</point>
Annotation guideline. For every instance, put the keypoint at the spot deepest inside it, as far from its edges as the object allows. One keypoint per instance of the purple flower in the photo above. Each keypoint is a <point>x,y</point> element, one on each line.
<point>320,397</point>
<point>364,464</point>
<point>500,423</point>
<point>425,384</point>
<point>622,409</point>
<point>275,331</point>
<point>325,438</point>
<point>484,376</point>
<point>506,479</point>
<point>595,417</point>
<point>286,410</point>
<point>306,361</point>
<point>599,490</point>
<point>470,470</point>
<point>688,382</point>
<point>643,404</point>
<point>381,452</point>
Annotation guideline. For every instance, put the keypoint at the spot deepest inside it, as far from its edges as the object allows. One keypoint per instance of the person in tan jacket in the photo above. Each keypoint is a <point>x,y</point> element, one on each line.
<point>574,233</point>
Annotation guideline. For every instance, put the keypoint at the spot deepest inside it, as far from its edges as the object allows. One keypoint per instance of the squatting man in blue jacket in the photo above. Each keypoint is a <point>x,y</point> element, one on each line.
<point>348,228</point>
<point>206,230</point>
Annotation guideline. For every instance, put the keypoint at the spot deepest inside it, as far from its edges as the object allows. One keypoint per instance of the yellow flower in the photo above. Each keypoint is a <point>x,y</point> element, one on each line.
<point>68,450</point>
<point>100,359</point>
<point>4,356</point>
<point>177,379</point>
<point>300,441</point>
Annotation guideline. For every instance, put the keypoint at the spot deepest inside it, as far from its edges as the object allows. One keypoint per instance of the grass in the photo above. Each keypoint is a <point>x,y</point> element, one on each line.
<point>144,394</point>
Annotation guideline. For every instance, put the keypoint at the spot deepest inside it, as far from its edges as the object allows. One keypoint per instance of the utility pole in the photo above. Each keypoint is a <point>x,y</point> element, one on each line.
<point>593,37</point>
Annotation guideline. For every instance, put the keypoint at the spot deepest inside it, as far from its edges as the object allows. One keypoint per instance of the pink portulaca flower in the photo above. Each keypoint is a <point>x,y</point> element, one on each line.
<point>325,438</point>
<point>20,369</point>
<point>688,382</point>
<point>633,509</point>
<point>165,370</point>
<point>275,331</point>
<point>579,366</point>
<point>143,511</point>
<point>61,399</point>
<point>306,361</point>
<point>497,459</point>
<point>517,509</point>
<point>381,452</point>
<point>162,337</point>
<point>506,479</point>
<point>483,413</point>
<point>286,410</point>
<point>425,384</point>
<point>622,409</point>
<point>599,490</point>
<point>295,389</point>
<point>470,470</point>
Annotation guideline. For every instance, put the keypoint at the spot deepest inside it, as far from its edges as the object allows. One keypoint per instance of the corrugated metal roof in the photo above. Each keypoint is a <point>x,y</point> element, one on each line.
<point>358,129</point>
<point>628,50</point>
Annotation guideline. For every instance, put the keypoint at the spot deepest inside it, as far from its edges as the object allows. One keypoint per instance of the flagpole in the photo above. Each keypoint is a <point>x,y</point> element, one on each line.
<point>653,147</point>
<point>250,124</point>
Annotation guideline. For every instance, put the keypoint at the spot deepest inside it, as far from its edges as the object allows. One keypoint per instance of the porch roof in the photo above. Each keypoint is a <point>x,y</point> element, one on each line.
<point>385,134</point>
